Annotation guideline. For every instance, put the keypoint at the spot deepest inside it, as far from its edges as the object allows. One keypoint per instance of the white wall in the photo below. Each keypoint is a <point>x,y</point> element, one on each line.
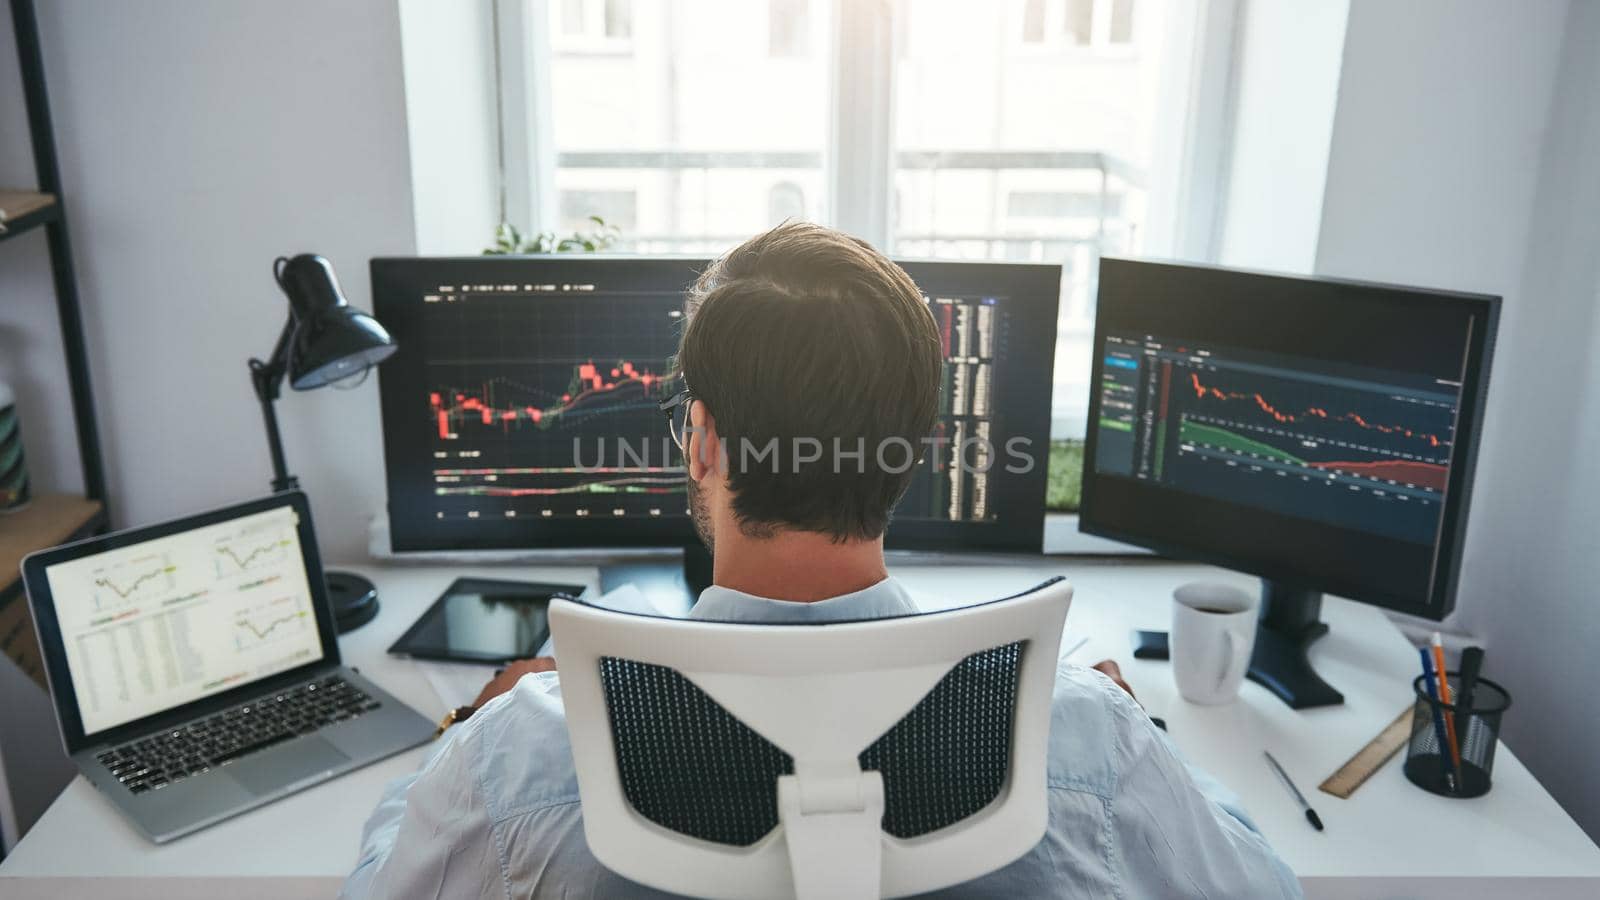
<point>1537,546</point>
<point>1463,156</point>
<point>199,141</point>
<point>450,115</point>
<point>1442,107</point>
<point>1287,85</point>
<point>1432,171</point>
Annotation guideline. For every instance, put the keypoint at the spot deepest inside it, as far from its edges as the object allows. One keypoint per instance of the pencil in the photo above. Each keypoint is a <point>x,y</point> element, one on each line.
<point>1429,685</point>
<point>1445,698</point>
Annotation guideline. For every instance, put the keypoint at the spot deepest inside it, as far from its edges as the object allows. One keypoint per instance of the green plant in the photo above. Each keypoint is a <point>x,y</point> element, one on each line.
<point>1065,476</point>
<point>507,239</point>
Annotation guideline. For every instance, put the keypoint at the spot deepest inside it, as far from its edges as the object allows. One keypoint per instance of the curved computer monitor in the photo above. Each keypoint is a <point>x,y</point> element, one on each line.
<point>520,410</point>
<point>1315,432</point>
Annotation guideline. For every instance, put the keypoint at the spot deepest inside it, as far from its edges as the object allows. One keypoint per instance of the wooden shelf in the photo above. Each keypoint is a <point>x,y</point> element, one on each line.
<point>48,520</point>
<point>22,210</point>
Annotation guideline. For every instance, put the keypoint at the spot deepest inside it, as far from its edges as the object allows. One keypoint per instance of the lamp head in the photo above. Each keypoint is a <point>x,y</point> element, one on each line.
<point>332,339</point>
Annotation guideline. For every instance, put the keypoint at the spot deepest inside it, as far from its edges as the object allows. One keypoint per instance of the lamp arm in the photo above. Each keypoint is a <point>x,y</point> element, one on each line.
<point>267,379</point>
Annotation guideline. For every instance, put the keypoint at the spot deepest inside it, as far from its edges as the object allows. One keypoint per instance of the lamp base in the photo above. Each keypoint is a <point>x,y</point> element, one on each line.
<point>354,599</point>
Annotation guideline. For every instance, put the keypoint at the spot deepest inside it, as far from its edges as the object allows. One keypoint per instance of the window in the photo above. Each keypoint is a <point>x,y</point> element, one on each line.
<point>1033,27</point>
<point>788,28</point>
<point>711,137</point>
<point>1121,22</point>
<point>619,208</point>
<point>1022,155</point>
<point>1022,206</point>
<point>1009,130</point>
<point>1076,23</point>
<point>786,200</point>
<point>590,26</point>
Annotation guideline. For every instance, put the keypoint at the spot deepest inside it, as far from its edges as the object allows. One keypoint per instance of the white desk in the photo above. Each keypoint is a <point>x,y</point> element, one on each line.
<point>1390,840</point>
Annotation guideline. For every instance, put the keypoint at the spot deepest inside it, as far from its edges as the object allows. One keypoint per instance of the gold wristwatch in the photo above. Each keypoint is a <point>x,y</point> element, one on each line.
<point>454,716</point>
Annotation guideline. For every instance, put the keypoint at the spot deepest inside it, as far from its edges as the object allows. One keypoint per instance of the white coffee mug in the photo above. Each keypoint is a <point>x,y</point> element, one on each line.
<point>1213,634</point>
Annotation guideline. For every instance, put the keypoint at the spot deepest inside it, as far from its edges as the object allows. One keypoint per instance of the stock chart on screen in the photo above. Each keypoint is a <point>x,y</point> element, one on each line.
<point>1317,432</point>
<point>1354,447</point>
<point>541,400</point>
<point>522,408</point>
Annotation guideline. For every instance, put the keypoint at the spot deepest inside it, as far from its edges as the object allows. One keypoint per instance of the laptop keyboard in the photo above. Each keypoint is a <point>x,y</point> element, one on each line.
<point>159,760</point>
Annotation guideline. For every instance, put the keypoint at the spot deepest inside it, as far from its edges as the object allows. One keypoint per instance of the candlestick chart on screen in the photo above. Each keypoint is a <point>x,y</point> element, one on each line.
<point>545,404</point>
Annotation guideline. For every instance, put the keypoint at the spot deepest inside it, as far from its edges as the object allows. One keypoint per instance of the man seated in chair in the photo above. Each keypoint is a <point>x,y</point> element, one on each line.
<point>803,332</point>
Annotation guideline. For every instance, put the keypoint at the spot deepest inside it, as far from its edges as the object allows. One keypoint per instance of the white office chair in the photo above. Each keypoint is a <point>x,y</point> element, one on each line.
<point>847,760</point>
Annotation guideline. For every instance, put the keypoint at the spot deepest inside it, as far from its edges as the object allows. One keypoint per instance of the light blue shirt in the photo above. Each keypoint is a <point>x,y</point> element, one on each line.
<point>494,811</point>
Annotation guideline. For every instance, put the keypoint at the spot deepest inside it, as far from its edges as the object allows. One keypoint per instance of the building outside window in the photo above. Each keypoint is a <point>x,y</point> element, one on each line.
<point>589,26</point>
<point>1076,23</point>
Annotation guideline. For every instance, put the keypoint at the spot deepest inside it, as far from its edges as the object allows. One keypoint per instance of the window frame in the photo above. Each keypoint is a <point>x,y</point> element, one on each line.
<point>1189,171</point>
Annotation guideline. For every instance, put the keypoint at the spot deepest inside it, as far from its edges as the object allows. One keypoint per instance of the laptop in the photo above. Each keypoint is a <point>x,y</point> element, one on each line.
<point>195,669</point>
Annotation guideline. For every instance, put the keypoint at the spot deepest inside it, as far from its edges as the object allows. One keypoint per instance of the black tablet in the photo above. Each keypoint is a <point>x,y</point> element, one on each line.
<point>484,620</point>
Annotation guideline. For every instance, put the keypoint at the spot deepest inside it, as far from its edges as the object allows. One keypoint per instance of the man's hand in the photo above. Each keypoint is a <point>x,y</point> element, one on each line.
<point>507,678</point>
<point>1114,672</point>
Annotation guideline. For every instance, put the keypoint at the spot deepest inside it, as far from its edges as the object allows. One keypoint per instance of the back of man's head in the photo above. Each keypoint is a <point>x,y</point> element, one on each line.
<point>821,365</point>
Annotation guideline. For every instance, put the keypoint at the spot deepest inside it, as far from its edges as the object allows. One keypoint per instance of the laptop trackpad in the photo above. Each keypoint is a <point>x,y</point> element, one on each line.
<point>275,769</point>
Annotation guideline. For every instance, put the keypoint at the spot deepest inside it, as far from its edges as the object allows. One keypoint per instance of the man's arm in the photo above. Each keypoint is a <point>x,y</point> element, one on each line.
<point>429,835</point>
<point>430,825</point>
<point>1178,831</point>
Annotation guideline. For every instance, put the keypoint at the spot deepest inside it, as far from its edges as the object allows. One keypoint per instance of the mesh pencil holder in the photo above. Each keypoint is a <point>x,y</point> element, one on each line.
<point>1477,733</point>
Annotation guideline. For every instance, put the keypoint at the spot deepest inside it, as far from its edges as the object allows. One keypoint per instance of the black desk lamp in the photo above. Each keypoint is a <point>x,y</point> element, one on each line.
<point>325,340</point>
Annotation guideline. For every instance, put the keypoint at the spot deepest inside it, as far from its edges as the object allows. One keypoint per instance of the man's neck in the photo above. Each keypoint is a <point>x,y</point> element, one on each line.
<point>799,566</point>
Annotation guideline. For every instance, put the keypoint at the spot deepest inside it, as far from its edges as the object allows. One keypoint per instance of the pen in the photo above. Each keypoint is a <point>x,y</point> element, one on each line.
<point>1311,814</point>
<point>1447,699</point>
<point>1438,720</point>
<point>1471,665</point>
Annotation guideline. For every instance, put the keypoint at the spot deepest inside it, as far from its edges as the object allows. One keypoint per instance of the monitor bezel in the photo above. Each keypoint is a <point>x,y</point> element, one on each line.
<point>47,625</point>
<point>396,280</point>
<point>1445,573</point>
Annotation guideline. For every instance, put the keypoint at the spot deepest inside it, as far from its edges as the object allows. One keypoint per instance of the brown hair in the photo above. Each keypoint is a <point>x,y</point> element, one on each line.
<point>807,336</point>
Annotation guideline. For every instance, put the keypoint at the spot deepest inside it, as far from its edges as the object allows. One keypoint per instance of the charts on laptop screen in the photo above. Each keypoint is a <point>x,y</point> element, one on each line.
<point>522,408</point>
<point>1313,431</point>
<point>155,625</point>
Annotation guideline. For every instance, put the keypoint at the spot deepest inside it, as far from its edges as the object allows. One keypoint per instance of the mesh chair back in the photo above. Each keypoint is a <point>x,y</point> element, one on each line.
<point>688,765</point>
<point>687,734</point>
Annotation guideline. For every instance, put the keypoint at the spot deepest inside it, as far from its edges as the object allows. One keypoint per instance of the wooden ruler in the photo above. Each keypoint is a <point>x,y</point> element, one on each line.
<point>1370,758</point>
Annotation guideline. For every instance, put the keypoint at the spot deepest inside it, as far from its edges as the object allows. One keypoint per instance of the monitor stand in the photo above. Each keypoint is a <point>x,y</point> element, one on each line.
<point>1290,623</point>
<point>670,583</point>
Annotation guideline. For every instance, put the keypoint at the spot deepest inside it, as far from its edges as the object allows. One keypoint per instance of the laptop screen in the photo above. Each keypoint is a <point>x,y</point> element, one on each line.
<point>152,626</point>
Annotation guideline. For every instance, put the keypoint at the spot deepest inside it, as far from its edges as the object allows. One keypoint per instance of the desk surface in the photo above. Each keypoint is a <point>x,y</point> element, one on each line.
<point>1389,837</point>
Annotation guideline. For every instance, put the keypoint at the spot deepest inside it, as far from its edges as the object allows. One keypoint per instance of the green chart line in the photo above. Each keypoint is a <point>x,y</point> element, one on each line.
<point>1228,440</point>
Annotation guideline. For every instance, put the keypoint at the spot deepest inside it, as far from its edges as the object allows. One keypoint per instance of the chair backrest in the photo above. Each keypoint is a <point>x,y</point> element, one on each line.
<point>857,759</point>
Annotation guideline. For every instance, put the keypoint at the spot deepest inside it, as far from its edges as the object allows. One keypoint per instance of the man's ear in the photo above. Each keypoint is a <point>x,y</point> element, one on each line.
<point>704,453</point>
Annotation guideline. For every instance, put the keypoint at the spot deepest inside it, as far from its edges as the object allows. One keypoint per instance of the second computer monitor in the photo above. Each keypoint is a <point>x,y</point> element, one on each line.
<point>521,408</point>
<point>1318,433</point>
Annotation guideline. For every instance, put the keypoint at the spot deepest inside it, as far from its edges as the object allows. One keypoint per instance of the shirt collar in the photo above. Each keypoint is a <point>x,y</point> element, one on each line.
<point>883,600</point>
